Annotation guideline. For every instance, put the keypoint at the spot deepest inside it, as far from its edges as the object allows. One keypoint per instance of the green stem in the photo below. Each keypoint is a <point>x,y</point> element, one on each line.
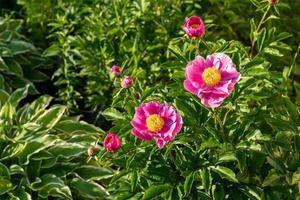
<point>197,47</point>
<point>258,28</point>
<point>221,125</point>
<point>294,61</point>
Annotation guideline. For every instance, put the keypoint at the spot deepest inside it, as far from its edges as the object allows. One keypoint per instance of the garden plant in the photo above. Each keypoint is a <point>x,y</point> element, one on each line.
<point>142,99</point>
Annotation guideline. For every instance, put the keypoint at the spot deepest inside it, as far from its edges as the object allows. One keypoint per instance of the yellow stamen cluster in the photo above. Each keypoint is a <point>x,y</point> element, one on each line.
<point>211,76</point>
<point>155,122</point>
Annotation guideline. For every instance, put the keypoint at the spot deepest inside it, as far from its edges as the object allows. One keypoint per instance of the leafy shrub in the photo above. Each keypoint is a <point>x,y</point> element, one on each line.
<point>19,59</point>
<point>246,149</point>
<point>43,152</point>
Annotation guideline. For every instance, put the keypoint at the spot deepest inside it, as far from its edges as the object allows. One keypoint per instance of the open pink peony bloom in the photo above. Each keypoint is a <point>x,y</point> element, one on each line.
<point>112,142</point>
<point>212,80</point>
<point>116,70</point>
<point>194,27</point>
<point>154,120</point>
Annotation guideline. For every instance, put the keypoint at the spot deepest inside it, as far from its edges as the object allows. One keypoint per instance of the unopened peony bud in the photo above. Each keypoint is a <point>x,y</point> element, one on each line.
<point>112,142</point>
<point>127,82</point>
<point>194,27</point>
<point>116,70</point>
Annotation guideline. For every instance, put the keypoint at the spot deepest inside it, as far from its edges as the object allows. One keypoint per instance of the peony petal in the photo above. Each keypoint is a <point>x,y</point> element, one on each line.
<point>189,87</point>
<point>152,107</point>
<point>143,136</point>
<point>139,126</point>
<point>212,100</point>
<point>160,142</point>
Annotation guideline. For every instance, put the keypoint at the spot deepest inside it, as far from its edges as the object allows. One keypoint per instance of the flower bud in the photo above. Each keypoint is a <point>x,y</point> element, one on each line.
<point>116,70</point>
<point>194,27</point>
<point>273,2</point>
<point>91,151</point>
<point>112,142</point>
<point>127,82</point>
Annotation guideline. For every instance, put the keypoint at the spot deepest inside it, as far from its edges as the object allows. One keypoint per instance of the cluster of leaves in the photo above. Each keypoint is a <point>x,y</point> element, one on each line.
<point>43,152</point>
<point>91,37</point>
<point>246,149</point>
<point>19,59</point>
<point>249,148</point>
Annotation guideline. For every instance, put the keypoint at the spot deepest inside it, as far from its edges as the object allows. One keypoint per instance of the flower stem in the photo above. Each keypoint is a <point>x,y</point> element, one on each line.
<point>258,28</point>
<point>218,119</point>
<point>197,47</point>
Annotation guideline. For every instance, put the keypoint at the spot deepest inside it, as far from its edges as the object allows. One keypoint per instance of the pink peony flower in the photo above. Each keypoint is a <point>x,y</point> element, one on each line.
<point>154,120</point>
<point>116,70</point>
<point>194,27</point>
<point>272,2</point>
<point>127,82</point>
<point>112,142</point>
<point>212,80</point>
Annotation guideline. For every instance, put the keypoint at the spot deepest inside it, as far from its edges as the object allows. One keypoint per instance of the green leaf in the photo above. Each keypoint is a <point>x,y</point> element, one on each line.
<point>203,196</point>
<point>36,146</point>
<point>113,114</point>
<point>4,172</point>
<point>35,109</point>
<point>70,126</point>
<point>291,108</point>
<point>89,189</point>
<point>16,169</point>
<point>20,47</point>
<point>188,183</point>
<point>177,52</point>
<point>218,192</point>
<point>51,185</point>
<point>3,97</point>
<point>297,143</point>
<point>89,172</point>
<point>18,95</point>
<point>51,116</point>
<point>155,191</point>
<point>225,172</point>
<point>272,179</point>
<point>206,179</point>
<point>134,180</point>
<point>67,150</point>
<point>53,50</point>
<point>5,186</point>
<point>242,160</point>
<point>276,163</point>
<point>261,39</point>
<point>273,52</point>
<point>14,67</point>
<point>296,177</point>
<point>119,175</point>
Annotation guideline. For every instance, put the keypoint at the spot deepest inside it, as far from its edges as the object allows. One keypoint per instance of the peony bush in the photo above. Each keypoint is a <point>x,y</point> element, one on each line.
<point>195,100</point>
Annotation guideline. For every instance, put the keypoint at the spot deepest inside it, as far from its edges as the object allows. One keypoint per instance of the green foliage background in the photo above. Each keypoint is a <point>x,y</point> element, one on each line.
<point>249,148</point>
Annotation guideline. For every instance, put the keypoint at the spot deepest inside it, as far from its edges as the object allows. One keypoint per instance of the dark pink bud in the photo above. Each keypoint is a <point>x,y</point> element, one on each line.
<point>272,2</point>
<point>127,82</point>
<point>194,27</point>
<point>112,142</point>
<point>116,70</point>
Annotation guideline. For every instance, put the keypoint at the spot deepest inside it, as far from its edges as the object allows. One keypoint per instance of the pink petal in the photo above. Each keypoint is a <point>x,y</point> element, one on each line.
<point>189,87</point>
<point>143,136</point>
